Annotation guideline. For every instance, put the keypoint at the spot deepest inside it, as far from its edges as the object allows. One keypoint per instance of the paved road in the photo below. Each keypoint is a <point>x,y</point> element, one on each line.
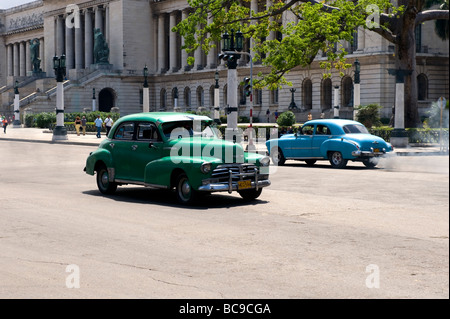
<point>315,233</point>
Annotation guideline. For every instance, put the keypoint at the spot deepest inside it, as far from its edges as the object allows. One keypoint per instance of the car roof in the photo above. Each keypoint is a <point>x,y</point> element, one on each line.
<point>338,122</point>
<point>163,117</point>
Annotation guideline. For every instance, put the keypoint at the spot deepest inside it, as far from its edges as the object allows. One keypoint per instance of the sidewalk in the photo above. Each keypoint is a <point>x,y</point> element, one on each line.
<point>90,139</point>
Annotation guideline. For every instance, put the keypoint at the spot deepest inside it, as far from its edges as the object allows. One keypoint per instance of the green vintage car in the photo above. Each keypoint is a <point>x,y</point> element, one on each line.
<point>176,151</point>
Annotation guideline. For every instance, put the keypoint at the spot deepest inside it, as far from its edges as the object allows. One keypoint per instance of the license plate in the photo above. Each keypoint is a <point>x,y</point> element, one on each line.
<point>377,150</point>
<point>244,184</point>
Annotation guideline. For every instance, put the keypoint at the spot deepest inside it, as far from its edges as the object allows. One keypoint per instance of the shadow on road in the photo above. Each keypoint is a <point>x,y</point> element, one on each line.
<point>142,195</point>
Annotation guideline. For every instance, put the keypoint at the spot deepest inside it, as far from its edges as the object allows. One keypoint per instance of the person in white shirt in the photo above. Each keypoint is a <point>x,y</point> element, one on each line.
<point>108,124</point>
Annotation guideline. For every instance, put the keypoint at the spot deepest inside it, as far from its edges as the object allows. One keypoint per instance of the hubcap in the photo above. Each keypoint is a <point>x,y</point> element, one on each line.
<point>185,188</point>
<point>337,158</point>
<point>105,178</point>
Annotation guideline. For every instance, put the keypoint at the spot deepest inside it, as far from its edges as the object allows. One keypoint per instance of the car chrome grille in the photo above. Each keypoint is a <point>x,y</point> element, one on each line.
<point>238,172</point>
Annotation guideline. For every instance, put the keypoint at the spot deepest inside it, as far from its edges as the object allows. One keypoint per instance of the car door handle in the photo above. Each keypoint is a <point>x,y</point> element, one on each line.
<point>134,147</point>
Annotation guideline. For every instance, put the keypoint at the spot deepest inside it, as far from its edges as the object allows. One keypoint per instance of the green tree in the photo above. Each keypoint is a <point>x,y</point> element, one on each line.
<point>369,115</point>
<point>286,119</point>
<point>321,25</point>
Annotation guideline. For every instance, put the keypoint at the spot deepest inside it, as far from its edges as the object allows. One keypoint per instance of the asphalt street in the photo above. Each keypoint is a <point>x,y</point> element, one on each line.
<point>317,232</point>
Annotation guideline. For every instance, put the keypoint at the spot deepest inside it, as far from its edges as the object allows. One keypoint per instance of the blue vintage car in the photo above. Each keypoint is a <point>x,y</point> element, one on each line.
<point>336,140</point>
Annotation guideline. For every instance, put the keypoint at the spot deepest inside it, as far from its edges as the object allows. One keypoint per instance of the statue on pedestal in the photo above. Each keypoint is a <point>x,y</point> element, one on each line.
<point>101,50</point>
<point>34,53</point>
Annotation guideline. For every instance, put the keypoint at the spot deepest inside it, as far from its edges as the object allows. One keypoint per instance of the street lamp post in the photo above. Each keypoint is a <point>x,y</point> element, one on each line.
<point>292,106</point>
<point>59,65</point>
<point>232,47</point>
<point>93,100</point>
<point>216,99</point>
<point>356,89</point>
<point>16,122</point>
<point>336,102</point>
<point>146,96</point>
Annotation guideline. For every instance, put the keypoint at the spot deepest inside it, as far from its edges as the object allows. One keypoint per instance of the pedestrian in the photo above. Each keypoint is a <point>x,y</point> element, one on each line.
<point>108,123</point>
<point>98,125</point>
<point>276,115</point>
<point>268,115</point>
<point>83,124</point>
<point>5,124</point>
<point>78,125</point>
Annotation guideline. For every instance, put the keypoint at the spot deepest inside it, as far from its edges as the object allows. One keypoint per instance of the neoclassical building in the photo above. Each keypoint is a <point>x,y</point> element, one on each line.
<point>138,34</point>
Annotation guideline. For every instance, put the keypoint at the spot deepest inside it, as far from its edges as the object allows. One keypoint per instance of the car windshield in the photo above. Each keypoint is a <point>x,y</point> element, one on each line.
<point>181,129</point>
<point>355,129</point>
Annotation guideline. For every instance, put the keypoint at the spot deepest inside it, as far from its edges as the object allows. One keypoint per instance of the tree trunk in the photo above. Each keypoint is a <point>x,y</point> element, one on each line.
<point>406,61</point>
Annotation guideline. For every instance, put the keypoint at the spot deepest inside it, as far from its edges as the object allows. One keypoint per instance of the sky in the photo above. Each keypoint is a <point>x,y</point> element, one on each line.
<point>6,4</point>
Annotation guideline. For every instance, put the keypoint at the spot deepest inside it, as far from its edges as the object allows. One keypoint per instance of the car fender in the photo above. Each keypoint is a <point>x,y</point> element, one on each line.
<point>98,155</point>
<point>346,147</point>
<point>159,172</point>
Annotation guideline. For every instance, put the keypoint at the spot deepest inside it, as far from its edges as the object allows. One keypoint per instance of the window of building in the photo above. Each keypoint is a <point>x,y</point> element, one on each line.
<point>200,97</point>
<point>347,92</point>
<point>422,87</point>
<point>307,94</point>
<point>326,93</point>
<point>163,99</point>
<point>187,98</point>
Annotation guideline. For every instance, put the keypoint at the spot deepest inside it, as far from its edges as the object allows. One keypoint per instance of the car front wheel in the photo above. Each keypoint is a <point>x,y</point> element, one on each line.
<point>277,156</point>
<point>336,160</point>
<point>103,183</point>
<point>250,194</point>
<point>185,193</point>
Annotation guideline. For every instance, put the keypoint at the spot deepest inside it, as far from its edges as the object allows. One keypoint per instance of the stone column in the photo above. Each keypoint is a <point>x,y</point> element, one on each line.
<point>88,39</point>
<point>10,60</point>
<point>211,58</point>
<point>271,36</point>
<point>184,55</point>
<point>107,23</point>
<point>173,67</point>
<point>161,45</point>
<point>79,48</point>
<point>361,39</point>
<point>60,36</point>
<point>28,58</point>
<point>16,60</point>
<point>99,19</point>
<point>42,53</point>
<point>69,49</point>
<point>23,56</point>
<point>198,54</point>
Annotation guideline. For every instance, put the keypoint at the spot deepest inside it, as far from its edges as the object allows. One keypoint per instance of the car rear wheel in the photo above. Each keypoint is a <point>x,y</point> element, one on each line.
<point>250,194</point>
<point>185,193</point>
<point>277,156</point>
<point>371,163</point>
<point>103,183</point>
<point>336,160</point>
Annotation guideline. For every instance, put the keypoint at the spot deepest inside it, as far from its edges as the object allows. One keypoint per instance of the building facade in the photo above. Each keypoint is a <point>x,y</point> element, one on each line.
<point>138,34</point>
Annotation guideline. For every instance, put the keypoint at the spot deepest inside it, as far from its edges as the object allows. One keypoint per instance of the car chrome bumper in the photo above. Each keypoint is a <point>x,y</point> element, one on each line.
<point>359,153</point>
<point>230,187</point>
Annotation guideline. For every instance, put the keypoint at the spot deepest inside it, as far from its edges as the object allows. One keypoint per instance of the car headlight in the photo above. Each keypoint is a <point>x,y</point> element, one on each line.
<point>205,168</point>
<point>265,161</point>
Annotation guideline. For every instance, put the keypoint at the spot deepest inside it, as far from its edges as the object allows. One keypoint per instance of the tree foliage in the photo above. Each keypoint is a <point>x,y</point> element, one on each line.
<point>319,25</point>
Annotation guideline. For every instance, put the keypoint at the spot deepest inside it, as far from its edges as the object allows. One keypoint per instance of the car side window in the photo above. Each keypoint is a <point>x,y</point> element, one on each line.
<point>308,129</point>
<point>147,132</point>
<point>124,132</point>
<point>322,130</point>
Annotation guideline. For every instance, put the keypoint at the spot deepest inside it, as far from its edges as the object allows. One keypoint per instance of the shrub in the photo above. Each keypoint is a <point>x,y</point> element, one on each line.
<point>369,115</point>
<point>286,119</point>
